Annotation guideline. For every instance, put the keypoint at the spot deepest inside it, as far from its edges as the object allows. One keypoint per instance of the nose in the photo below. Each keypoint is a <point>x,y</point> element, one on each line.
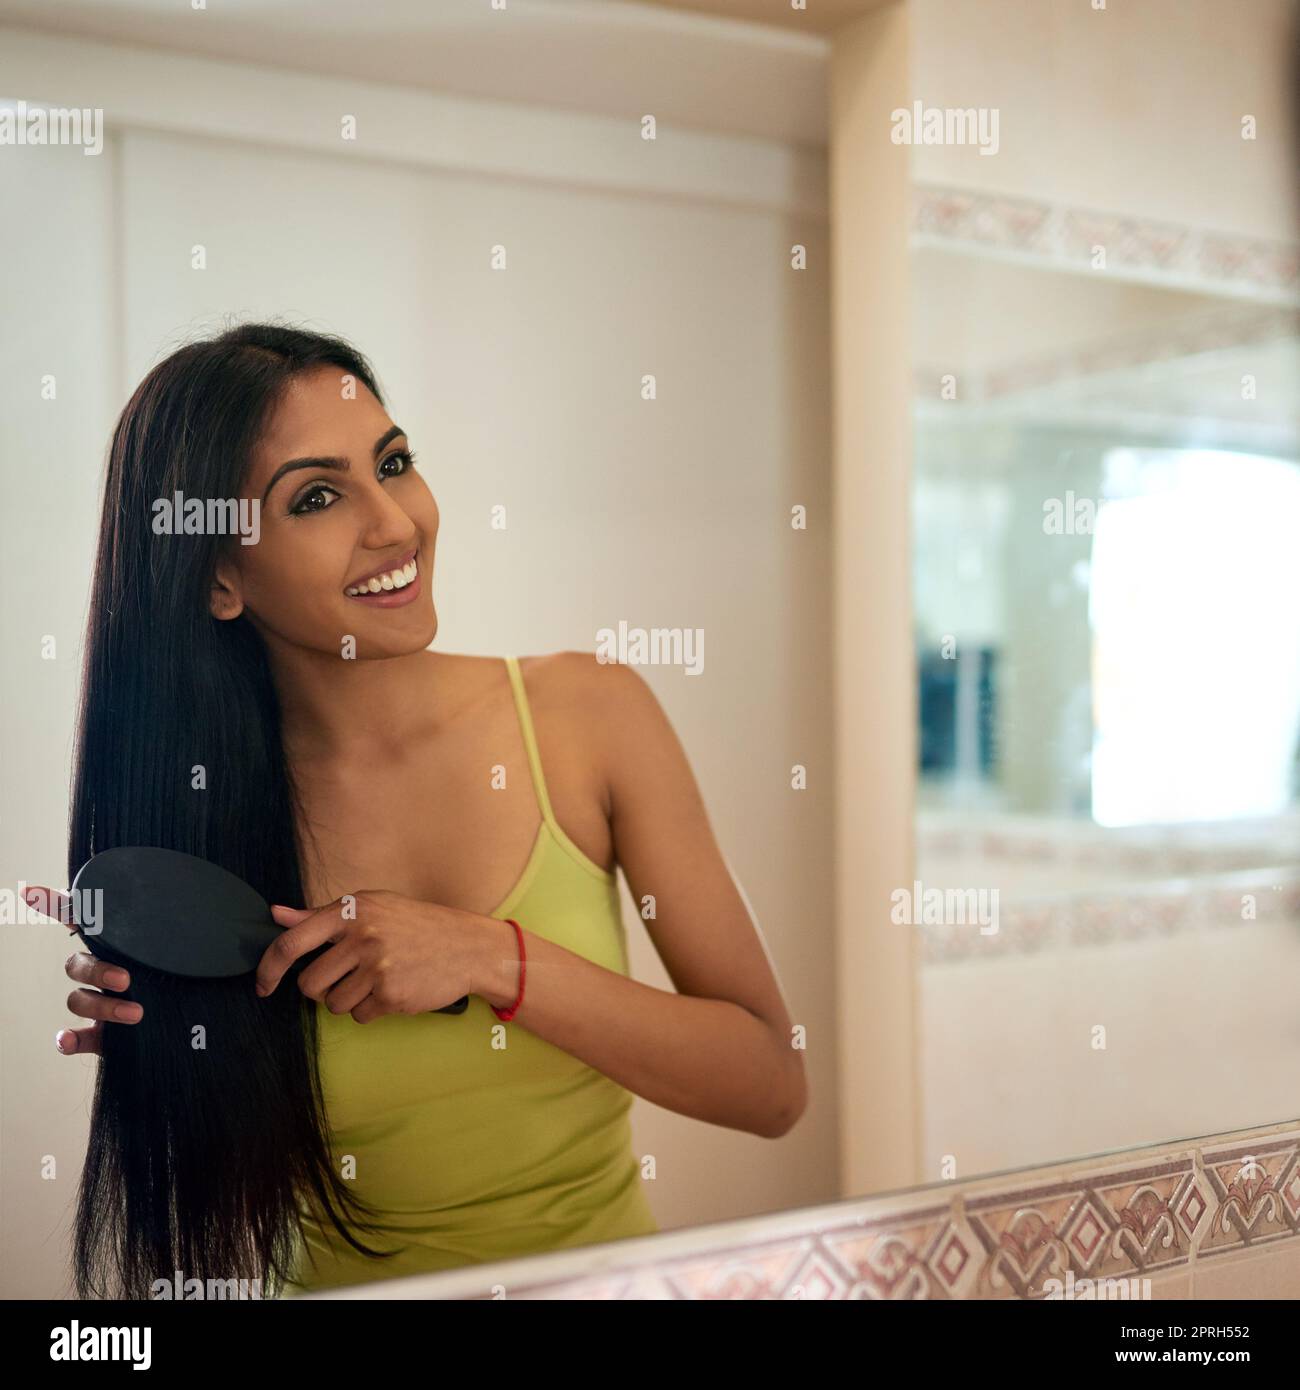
<point>386,522</point>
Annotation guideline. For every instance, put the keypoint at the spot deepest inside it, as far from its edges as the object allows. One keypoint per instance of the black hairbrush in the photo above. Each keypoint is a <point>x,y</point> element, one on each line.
<point>176,913</point>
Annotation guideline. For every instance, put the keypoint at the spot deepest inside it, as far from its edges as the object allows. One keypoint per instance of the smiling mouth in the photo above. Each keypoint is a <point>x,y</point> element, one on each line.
<point>390,588</point>
<point>397,578</point>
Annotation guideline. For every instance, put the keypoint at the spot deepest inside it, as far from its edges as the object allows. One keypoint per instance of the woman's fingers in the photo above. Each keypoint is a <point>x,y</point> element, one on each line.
<point>90,970</point>
<point>75,1041</point>
<point>86,1003</point>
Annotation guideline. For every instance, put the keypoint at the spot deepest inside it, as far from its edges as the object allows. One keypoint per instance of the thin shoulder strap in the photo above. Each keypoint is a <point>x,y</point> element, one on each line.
<point>530,738</point>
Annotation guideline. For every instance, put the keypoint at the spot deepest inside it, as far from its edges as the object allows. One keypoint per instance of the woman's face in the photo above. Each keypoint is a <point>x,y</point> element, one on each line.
<point>341,503</point>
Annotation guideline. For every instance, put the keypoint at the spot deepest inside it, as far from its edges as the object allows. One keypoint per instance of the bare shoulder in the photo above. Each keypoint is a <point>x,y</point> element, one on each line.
<point>597,693</point>
<point>611,714</point>
<point>587,714</point>
<point>571,688</point>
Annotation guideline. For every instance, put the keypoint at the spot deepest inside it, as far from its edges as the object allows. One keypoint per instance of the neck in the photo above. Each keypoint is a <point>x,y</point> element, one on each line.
<point>334,710</point>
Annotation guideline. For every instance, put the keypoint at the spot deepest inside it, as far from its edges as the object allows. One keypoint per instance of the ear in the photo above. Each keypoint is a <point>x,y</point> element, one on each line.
<point>225,599</point>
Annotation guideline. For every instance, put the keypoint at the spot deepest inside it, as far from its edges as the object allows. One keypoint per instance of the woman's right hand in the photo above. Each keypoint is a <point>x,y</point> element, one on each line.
<point>87,969</point>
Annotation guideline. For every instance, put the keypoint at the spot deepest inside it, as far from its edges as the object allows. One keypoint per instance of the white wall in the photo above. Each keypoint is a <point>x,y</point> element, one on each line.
<point>56,303</point>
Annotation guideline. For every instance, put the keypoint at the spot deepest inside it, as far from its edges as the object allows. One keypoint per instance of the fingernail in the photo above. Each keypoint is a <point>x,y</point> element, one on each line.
<point>128,1012</point>
<point>116,979</point>
<point>58,1040</point>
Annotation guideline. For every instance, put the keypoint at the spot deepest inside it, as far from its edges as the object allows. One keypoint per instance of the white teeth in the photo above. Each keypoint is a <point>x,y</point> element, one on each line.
<point>394,579</point>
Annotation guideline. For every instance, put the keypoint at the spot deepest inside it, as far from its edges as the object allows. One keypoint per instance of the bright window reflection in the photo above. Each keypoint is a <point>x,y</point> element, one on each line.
<point>1195,577</point>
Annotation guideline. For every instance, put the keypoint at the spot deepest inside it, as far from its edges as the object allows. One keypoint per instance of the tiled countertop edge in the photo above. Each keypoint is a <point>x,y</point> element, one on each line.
<point>1128,1214</point>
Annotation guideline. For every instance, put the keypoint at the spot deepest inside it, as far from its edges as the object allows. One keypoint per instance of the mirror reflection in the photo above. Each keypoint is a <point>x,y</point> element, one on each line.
<point>1108,660</point>
<point>551,345</point>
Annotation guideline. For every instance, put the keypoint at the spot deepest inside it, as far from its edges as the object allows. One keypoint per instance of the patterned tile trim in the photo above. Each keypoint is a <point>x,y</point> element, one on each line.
<point>1143,851</point>
<point>1118,1216</point>
<point>1121,913</point>
<point>1255,1191</point>
<point>1236,325</point>
<point>1157,252</point>
<point>1161,882</point>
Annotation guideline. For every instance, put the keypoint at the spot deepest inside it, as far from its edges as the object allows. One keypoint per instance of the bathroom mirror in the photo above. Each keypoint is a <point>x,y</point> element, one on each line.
<point>626,338</point>
<point>1107,603</point>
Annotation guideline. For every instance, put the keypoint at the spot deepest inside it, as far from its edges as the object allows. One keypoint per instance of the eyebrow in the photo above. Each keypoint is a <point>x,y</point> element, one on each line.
<point>338,465</point>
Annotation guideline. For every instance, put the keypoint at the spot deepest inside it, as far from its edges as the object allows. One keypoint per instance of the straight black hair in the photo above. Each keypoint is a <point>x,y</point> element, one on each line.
<point>208,1126</point>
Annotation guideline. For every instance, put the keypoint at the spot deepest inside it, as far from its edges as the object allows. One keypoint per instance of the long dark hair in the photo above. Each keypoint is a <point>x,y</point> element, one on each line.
<point>208,1126</point>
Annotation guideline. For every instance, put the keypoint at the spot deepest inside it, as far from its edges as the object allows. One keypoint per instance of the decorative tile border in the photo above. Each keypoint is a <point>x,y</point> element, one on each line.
<point>1131,1215</point>
<point>1154,849</point>
<point>1061,236</point>
<point>1228,326</point>
<point>1172,881</point>
<point>1255,1188</point>
<point>1127,912</point>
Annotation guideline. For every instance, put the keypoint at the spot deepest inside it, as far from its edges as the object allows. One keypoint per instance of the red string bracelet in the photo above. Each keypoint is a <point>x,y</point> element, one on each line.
<point>505,1015</point>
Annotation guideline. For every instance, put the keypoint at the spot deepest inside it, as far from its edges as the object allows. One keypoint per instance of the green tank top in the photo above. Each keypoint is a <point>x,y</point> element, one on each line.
<point>474,1139</point>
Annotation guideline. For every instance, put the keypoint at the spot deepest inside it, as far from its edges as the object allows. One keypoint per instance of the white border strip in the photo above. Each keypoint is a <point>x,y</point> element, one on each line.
<point>147,89</point>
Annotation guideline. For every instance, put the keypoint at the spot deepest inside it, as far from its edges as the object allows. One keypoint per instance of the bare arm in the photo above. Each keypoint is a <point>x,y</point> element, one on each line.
<point>720,1048</point>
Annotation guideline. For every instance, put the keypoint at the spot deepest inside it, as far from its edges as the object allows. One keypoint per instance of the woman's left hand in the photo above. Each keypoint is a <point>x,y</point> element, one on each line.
<point>391,954</point>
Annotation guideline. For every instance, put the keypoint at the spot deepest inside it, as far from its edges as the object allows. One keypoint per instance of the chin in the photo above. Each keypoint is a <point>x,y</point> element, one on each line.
<point>415,638</point>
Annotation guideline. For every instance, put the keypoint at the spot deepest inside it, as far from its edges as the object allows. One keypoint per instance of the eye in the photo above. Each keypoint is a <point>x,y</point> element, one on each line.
<point>404,456</point>
<point>317,490</point>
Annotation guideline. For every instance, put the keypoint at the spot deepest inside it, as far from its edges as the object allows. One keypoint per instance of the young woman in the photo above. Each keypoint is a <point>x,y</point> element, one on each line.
<point>428,825</point>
